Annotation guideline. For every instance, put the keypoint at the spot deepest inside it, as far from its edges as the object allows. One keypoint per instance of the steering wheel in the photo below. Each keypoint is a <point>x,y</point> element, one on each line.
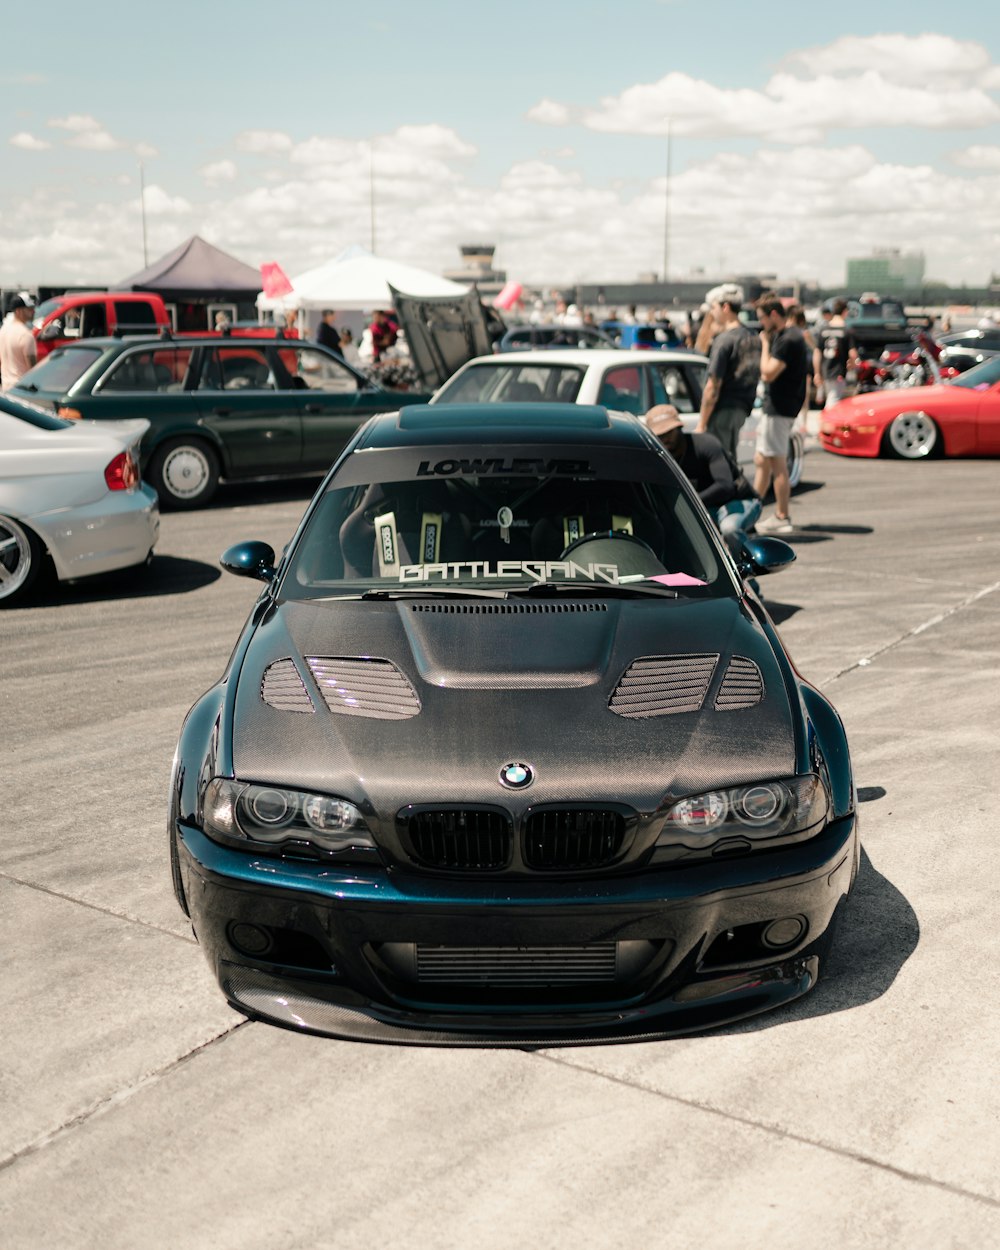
<point>621,535</point>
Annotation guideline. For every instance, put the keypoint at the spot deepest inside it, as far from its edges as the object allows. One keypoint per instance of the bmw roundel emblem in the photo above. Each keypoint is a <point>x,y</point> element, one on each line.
<point>516,776</point>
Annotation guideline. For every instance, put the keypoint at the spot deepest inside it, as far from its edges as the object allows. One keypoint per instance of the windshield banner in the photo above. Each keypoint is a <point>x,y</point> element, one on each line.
<point>537,570</point>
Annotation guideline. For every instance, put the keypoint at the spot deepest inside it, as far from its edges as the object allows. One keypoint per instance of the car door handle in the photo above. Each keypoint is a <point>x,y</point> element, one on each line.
<point>223,412</point>
<point>314,407</point>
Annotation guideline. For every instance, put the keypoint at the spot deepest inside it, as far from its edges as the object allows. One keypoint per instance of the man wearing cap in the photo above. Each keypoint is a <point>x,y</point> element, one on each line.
<point>720,484</point>
<point>733,369</point>
<point>18,351</point>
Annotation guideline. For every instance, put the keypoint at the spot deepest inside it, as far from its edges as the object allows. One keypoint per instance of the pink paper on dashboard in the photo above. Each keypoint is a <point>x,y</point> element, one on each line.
<point>677,579</point>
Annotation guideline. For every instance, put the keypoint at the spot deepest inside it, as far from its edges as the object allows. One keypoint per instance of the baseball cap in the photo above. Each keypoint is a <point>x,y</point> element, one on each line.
<point>662,419</point>
<point>725,293</point>
<point>23,299</point>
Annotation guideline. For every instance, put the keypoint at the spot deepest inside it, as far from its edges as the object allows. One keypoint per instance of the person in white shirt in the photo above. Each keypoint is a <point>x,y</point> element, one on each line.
<point>18,350</point>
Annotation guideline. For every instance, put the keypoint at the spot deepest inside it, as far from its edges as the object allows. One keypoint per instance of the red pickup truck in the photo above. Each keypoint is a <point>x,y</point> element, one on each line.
<point>96,314</point>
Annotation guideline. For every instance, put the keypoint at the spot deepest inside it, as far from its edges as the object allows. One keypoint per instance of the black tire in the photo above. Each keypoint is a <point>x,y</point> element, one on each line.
<point>912,436</point>
<point>21,560</point>
<point>184,473</point>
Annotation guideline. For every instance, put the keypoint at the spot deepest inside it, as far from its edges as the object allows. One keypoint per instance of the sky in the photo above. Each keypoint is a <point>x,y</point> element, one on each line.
<point>794,136</point>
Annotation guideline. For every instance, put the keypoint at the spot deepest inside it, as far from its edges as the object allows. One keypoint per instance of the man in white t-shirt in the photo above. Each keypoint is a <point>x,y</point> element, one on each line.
<point>18,350</point>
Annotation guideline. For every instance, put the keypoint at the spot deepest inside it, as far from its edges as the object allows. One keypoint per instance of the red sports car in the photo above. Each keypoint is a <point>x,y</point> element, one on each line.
<point>956,418</point>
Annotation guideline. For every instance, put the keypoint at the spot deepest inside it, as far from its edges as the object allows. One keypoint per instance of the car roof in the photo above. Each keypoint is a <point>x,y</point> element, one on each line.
<point>587,356</point>
<point>131,341</point>
<point>490,424</point>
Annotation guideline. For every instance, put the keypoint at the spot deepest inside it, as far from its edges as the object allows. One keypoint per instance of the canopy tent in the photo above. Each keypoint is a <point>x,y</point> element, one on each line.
<point>195,270</point>
<point>358,281</point>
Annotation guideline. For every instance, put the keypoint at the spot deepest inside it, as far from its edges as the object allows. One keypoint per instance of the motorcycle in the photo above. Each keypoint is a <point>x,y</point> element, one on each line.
<point>905,364</point>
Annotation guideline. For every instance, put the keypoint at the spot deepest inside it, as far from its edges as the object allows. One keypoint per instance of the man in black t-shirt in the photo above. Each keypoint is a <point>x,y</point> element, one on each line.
<point>326,334</point>
<point>835,353</point>
<point>784,368</point>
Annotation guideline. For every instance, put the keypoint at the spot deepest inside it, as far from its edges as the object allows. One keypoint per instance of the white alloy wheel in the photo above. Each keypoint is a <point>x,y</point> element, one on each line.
<point>20,557</point>
<point>185,473</point>
<point>796,454</point>
<point>912,435</point>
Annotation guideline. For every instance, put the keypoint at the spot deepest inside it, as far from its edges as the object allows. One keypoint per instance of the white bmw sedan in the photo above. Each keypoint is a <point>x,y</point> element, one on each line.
<point>71,499</point>
<point>622,381</point>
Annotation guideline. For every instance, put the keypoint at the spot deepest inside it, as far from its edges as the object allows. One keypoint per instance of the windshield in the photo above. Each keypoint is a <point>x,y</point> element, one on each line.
<point>448,521</point>
<point>512,384</point>
<point>59,370</point>
<point>43,310</point>
<point>982,376</point>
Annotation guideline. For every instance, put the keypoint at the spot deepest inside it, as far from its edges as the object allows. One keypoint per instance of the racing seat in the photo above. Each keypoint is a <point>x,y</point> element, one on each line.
<point>408,523</point>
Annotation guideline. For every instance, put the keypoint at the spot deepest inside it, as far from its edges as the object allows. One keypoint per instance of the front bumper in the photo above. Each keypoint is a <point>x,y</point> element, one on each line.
<point>114,532</point>
<point>341,957</point>
<point>844,439</point>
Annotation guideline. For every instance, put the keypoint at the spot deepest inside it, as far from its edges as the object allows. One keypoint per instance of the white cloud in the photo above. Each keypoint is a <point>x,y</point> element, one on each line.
<point>915,60</point>
<point>145,151</point>
<point>549,113</point>
<point>79,123</point>
<point>856,82</point>
<point>217,172</point>
<point>27,142</point>
<point>95,141</point>
<point>264,142</point>
<point>160,203</point>
<point>978,156</point>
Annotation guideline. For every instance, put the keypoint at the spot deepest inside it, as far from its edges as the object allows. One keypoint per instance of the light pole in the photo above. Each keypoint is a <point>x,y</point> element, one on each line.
<point>666,210</point>
<point>142,210</point>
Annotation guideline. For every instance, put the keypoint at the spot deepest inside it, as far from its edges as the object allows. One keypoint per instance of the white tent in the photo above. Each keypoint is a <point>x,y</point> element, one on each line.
<point>357,281</point>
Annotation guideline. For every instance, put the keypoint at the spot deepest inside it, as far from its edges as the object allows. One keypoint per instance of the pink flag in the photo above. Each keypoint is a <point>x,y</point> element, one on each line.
<point>275,280</point>
<point>509,294</point>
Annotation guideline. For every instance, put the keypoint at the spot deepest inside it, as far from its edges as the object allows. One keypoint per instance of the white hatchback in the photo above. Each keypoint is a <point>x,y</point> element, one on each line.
<point>622,381</point>
<point>70,497</point>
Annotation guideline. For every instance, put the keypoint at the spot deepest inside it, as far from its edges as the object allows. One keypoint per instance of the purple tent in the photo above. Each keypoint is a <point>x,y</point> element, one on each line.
<point>196,271</point>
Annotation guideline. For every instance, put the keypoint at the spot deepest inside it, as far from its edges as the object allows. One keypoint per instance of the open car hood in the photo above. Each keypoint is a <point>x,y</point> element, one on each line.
<point>443,332</point>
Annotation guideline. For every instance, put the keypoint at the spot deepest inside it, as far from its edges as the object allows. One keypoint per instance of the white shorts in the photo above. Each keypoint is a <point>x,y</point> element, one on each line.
<point>774,434</point>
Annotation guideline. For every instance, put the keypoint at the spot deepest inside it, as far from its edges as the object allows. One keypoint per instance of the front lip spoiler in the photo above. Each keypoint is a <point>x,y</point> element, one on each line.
<point>722,1000</point>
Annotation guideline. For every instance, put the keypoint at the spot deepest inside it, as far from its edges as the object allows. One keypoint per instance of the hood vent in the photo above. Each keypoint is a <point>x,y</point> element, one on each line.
<point>281,687</point>
<point>506,609</point>
<point>661,685</point>
<point>742,686</point>
<point>374,688</point>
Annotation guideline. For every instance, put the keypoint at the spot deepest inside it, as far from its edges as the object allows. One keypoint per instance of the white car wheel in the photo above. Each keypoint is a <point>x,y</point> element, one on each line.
<point>185,473</point>
<point>796,454</point>
<point>20,559</point>
<point>912,435</point>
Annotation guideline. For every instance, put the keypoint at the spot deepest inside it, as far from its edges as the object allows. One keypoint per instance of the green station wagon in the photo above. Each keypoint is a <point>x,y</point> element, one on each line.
<point>218,408</point>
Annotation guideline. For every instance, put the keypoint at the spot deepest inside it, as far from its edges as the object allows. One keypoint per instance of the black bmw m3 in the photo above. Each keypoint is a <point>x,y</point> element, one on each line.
<point>508,752</point>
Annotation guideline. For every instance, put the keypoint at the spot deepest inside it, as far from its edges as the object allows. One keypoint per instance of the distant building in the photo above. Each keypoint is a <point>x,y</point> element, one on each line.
<point>886,270</point>
<point>477,267</point>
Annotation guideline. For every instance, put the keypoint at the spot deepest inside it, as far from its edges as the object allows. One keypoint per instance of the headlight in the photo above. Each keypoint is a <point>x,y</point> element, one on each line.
<point>274,815</point>
<point>765,809</point>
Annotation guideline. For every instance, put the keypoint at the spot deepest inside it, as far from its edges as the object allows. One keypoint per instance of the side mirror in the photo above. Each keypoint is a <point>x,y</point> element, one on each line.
<point>763,555</point>
<point>250,559</point>
<point>52,331</point>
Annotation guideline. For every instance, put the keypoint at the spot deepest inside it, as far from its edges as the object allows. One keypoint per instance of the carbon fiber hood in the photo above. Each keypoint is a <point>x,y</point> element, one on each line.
<point>525,682</point>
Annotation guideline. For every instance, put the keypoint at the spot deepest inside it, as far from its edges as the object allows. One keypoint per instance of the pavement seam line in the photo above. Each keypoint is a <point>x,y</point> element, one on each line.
<point>919,629</point>
<point>773,1130</point>
<point>111,1101</point>
<point>105,911</point>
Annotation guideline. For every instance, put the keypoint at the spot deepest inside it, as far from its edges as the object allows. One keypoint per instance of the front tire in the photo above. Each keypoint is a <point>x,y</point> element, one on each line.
<point>21,558</point>
<point>912,436</point>
<point>184,473</point>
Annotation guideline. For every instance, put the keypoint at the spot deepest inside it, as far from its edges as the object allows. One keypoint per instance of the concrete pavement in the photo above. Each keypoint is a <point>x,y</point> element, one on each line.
<point>139,1111</point>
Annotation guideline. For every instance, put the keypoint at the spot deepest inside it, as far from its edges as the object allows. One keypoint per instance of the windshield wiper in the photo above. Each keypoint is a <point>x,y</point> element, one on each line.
<point>624,590</point>
<point>422,592</point>
<point>26,386</point>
